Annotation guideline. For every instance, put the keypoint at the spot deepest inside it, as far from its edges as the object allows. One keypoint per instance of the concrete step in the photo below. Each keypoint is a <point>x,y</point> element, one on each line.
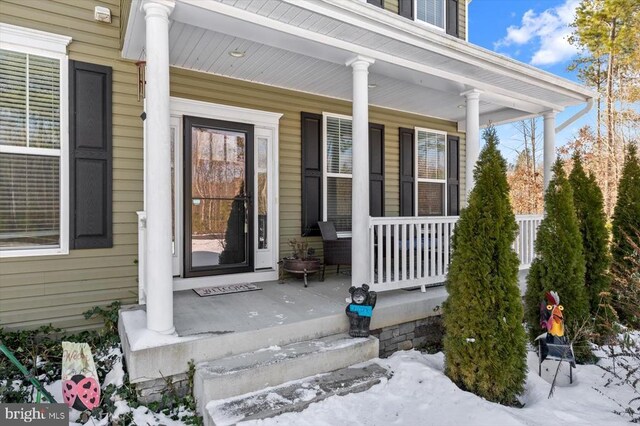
<point>268,367</point>
<point>293,396</point>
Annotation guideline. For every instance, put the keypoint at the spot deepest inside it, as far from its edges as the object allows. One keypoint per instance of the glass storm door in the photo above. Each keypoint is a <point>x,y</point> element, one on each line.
<point>218,187</point>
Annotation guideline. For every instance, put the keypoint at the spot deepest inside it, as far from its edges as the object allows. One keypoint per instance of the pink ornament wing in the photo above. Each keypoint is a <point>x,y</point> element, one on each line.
<point>69,392</point>
<point>89,392</point>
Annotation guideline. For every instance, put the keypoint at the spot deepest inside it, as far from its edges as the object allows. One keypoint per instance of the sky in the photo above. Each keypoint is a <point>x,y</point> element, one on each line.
<point>534,32</point>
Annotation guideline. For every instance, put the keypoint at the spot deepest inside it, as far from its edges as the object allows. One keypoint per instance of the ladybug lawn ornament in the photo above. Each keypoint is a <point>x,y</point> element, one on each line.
<point>81,393</point>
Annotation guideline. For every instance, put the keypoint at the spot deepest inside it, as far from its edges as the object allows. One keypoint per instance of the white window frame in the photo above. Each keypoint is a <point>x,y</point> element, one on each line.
<point>40,43</point>
<point>430,25</point>
<point>325,172</point>
<point>418,179</point>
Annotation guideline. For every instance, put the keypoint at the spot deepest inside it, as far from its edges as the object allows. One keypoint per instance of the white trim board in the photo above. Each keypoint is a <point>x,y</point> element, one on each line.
<point>181,106</point>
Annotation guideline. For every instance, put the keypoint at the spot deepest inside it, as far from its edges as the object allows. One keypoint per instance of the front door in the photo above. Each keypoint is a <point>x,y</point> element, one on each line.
<point>218,189</point>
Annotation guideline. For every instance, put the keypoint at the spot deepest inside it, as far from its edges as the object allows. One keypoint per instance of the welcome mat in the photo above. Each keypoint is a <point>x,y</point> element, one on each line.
<point>225,289</point>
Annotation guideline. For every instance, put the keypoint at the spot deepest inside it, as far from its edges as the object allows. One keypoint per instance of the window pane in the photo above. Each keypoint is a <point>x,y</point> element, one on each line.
<point>29,201</point>
<point>431,155</point>
<point>13,98</point>
<point>263,200</point>
<point>339,203</point>
<point>430,199</point>
<point>431,11</point>
<point>339,140</point>
<point>44,102</point>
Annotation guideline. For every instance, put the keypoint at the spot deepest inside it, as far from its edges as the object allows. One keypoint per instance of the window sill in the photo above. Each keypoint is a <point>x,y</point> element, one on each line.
<point>34,252</point>
<point>429,25</point>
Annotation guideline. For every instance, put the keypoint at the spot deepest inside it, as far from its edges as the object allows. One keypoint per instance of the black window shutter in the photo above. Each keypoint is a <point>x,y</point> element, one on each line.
<point>90,156</point>
<point>379,3</point>
<point>376,170</point>
<point>407,175</point>
<point>452,17</point>
<point>453,175</point>
<point>405,8</point>
<point>311,130</point>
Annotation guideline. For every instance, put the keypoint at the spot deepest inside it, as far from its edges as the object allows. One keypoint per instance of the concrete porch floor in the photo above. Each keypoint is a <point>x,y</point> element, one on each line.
<point>275,305</point>
<point>214,327</point>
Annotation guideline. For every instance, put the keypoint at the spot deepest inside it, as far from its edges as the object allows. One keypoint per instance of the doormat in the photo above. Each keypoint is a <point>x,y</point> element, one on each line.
<point>225,289</point>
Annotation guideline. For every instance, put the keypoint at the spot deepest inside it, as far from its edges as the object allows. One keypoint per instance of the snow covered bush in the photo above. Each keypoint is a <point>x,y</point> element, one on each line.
<point>484,343</point>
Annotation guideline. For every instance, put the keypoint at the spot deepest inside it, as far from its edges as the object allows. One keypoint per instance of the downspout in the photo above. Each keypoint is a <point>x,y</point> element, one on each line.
<point>466,20</point>
<point>575,116</point>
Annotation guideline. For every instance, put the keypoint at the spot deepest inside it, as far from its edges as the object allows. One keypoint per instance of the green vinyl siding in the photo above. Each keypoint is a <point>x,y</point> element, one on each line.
<point>58,289</point>
<point>462,19</point>
<point>391,6</point>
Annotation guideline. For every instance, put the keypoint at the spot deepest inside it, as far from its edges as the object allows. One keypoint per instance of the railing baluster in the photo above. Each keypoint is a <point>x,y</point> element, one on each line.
<point>388,262</point>
<point>403,248</point>
<point>381,248</point>
<point>419,237</point>
<point>439,252</point>
<point>412,254</point>
<point>396,251</point>
<point>432,251</point>
<point>371,255</point>
<point>447,238</point>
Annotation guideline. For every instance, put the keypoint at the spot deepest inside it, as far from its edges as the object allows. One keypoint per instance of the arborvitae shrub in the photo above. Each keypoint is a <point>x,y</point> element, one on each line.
<point>589,205</point>
<point>626,229</point>
<point>559,262</point>
<point>485,342</point>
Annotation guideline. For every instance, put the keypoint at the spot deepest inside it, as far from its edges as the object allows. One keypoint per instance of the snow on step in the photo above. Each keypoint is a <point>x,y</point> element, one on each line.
<point>252,371</point>
<point>293,396</point>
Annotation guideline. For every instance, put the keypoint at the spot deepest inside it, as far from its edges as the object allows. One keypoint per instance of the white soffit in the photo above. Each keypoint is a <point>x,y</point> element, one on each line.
<point>280,51</point>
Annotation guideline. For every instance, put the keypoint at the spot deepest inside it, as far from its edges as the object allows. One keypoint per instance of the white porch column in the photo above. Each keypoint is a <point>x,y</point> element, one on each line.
<point>360,172</point>
<point>472,137</point>
<point>549,145</point>
<point>159,274</point>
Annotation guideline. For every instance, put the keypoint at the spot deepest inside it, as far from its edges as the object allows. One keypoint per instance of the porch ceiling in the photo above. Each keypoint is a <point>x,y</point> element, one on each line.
<point>304,45</point>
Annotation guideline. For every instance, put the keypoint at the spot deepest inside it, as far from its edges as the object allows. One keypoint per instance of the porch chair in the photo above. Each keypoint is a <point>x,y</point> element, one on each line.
<point>337,251</point>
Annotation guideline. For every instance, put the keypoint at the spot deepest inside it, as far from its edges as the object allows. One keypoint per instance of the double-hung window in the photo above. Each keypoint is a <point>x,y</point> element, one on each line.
<point>431,11</point>
<point>33,142</point>
<point>338,168</point>
<point>431,173</point>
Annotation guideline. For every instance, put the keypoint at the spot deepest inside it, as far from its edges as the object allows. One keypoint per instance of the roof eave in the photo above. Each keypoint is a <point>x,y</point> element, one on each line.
<point>373,18</point>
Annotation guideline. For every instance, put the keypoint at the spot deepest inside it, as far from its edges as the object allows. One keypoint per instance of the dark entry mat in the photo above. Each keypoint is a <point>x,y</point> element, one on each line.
<point>225,289</point>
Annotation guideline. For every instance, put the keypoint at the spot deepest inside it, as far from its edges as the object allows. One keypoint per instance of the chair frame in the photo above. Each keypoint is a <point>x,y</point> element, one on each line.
<point>337,251</point>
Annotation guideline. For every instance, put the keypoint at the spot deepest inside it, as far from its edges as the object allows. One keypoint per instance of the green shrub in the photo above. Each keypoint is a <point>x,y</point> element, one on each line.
<point>485,343</point>
<point>559,264</point>
<point>592,222</point>
<point>626,239</point>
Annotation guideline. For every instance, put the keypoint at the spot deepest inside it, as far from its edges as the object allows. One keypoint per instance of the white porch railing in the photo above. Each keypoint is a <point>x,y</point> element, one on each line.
<point>523,245</point>
<point>415,251</point>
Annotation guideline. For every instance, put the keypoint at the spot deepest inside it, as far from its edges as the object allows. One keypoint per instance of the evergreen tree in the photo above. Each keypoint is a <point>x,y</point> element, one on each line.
<point>626,239</point>
<point>485,343</point>
<point>626,215</point>
<point>589,205</point>
<point>559,264</point>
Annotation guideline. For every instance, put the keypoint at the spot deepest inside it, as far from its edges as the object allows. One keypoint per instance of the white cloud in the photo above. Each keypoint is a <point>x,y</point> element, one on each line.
<point>547,31</point>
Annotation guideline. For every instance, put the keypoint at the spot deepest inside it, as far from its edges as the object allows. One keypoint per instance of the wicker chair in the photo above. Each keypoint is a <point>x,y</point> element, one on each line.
<point>337,251</point>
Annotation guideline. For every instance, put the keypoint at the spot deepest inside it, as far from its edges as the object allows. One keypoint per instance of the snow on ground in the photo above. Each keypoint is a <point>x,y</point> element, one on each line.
<point>420,394</point>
